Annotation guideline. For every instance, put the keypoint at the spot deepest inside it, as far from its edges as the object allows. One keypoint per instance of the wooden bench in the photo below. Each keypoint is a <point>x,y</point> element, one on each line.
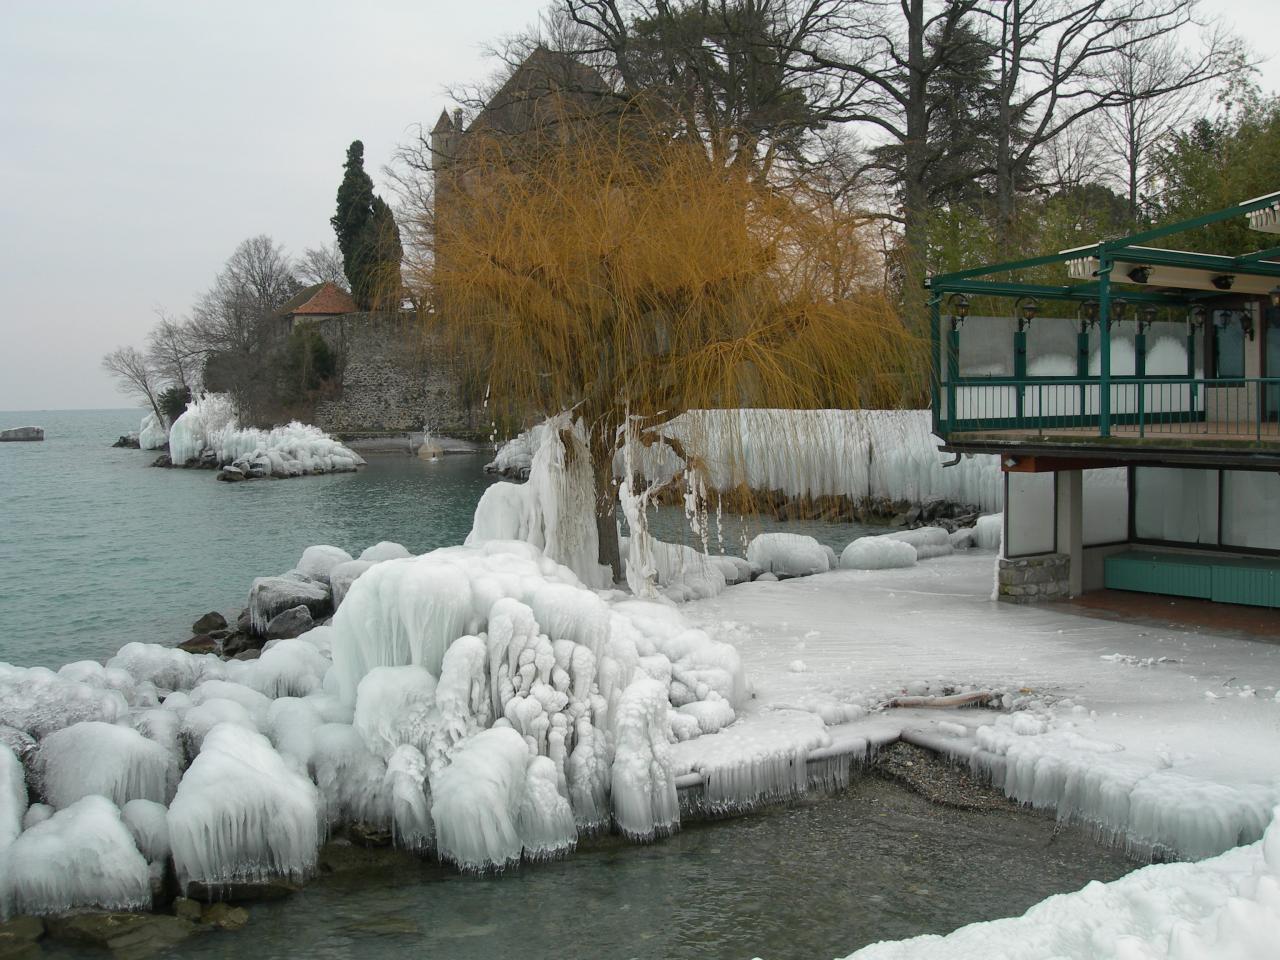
<point>1254,581</point>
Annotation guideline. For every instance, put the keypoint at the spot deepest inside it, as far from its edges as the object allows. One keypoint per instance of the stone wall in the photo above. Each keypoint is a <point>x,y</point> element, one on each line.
<point>393,378</point>
<point>1028,579</point>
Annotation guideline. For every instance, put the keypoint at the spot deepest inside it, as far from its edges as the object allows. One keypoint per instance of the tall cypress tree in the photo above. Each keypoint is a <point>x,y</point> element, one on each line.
<point>354,218</point>
<point>367,236</point>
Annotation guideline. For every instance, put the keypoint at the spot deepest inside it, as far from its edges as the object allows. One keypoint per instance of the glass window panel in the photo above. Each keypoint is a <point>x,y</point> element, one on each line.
<point>1106,506</point>
<point>1176,505</point>
<point>1228,344</point>
<point>1251,509</point>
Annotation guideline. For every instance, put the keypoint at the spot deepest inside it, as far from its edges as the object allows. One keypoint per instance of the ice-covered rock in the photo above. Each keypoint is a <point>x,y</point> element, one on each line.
<point>545,822</point>
<point>167,668</point>
<point>788,554</point>
<point>289,667</point>
<point>137,693</point>
<point>344,575</point>
<point>351,779</point>
<point>82,857</point>
<point>877,553</point>
<point>38,701</point>
<point>209,426</point>
<point>384,550</point>
<point>317,562</point>
<point>269,596</point>
<point>241,814</point>
<point>928,541</point>
<point>114,761</point>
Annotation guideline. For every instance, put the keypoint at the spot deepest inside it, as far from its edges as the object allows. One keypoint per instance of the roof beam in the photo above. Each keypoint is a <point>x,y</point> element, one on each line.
<point>1211,262</point>
<point>1069,292</point>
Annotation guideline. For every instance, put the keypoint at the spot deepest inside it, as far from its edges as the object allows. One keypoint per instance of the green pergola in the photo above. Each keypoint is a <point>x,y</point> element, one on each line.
<point>1147,275</point>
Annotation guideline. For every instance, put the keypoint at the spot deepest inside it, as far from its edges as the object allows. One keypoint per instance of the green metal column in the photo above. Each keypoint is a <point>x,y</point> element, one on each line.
<point>935,372</point>
<point>953,374</point>
<point>1019,370</point>
<point>1104,345</point>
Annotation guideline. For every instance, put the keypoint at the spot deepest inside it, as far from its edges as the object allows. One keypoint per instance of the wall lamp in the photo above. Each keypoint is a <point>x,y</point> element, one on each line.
<point>1088,315</point>
<point>1224,281</point>
<point>1140,274</point>
<point>1275,295</point>
<point>1026,309</point>
<point>1196,316</point>
<point>959,305</point>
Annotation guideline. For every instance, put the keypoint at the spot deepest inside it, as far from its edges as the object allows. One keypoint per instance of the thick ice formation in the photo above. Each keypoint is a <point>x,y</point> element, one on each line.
<point>167,668</point>
<point>81,857</point>
<point>877,553</point>
<point>788,554</point>
<point>148,821</point>
<point>209,424</point>
<point>679,572</point>
<point>406,780</point>
<point>241,814</point>
<point>1226,908</point>
<point>395,706</point>
<point>13,795</point>
<point>477,800</point>
<point>114,761</point>
<point>645,804</point>
<point>152,435</point>
<point>989,531</point>
<point>352,780</point>
<point>554,510</point>
<point>889,454</point>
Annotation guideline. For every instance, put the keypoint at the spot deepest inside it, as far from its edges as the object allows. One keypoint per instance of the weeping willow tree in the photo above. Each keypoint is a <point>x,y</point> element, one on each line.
<point>617,271</point>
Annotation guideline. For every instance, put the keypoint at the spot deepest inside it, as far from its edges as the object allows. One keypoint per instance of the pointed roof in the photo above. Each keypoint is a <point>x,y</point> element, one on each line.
<point>318,300</point>
<point>519,104</point>
<point>444,124</point>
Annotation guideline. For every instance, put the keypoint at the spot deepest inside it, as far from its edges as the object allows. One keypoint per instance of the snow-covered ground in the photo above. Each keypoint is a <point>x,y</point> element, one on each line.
<point>1160,737</point>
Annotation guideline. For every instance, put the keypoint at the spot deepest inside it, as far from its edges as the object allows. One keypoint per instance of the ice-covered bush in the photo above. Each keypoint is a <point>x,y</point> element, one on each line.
<point>877,553</point>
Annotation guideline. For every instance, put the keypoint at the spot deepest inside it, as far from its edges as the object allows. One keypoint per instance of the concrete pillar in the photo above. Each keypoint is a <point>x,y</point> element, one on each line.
<point>1068,486</point>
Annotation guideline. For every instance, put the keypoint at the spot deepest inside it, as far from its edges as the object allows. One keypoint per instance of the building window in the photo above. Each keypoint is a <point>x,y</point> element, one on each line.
<point>1228,344</point>
<point>1249,514</point>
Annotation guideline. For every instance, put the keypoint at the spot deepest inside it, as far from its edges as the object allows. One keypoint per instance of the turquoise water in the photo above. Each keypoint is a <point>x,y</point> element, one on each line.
<point>98,548</point>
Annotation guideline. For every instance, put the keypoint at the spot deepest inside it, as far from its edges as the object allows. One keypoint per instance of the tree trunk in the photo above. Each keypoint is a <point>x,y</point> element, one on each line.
<point>606,502</point>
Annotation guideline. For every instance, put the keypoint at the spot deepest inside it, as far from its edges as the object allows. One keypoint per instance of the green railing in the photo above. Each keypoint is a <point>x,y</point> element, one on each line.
<point>1235,409</point>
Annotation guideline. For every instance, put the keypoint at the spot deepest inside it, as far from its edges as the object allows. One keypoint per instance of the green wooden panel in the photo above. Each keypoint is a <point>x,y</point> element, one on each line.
<point>1169,574</point>
<point>1253,584</point>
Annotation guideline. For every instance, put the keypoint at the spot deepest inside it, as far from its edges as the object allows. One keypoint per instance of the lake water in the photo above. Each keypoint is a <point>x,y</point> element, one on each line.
<point>98,549</point>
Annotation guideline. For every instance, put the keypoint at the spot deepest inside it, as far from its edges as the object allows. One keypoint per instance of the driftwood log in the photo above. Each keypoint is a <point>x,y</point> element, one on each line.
<point>980,698</point>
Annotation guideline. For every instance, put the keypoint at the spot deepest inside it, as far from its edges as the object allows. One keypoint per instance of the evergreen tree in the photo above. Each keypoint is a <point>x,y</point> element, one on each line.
<point>367,236</point>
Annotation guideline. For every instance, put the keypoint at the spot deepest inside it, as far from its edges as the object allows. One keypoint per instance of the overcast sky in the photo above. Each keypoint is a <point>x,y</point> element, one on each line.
<point>143,140</point>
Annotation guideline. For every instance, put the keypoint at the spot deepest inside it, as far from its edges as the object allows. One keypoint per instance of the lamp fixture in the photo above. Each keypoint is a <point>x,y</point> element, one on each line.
<point>1246,323</point>
<point>1223,281</point>
<point>1196,316</point>
<point>1140,274</point>
<point>959,305</point>
<point>1026,309</point>
<point>1275,295</point>
<point>1146,317</point>
<point>1118,309</point>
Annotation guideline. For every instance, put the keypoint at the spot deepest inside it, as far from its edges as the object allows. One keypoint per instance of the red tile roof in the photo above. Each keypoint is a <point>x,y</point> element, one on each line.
<point>322,299</point>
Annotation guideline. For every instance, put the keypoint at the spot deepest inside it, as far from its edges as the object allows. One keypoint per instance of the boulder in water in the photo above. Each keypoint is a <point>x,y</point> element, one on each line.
<point>273,595</point>
<point>209,622</point>
<point>14,434</point>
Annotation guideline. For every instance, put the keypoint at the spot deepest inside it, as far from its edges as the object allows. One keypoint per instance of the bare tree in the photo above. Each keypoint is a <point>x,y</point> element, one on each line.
<point>1056,64</point>
<point>134,376</point>
<point>321,265</point>
<point>1154,105</point>
<point>174,353</point>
